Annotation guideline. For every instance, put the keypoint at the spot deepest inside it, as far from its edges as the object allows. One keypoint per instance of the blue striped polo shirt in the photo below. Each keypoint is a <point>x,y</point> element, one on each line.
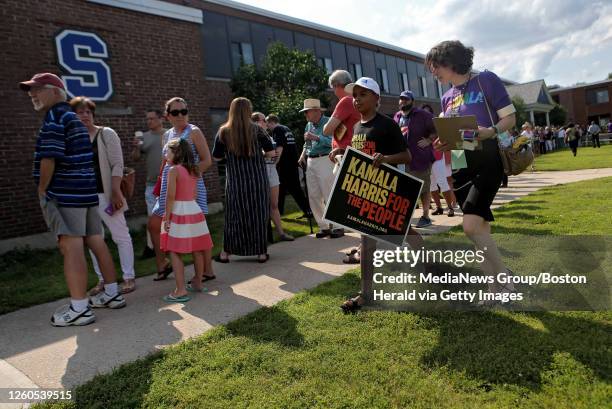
<point>64,138</point>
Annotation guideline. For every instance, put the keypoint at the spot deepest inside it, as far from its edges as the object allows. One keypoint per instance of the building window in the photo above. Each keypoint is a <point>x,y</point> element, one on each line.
<point>424,87</point>
<point>601,96</point>
<point>356,71</point>
<point>440,92</point>
<point>242,53</point>
<point>327,64</point>
<point>404,81</point>
<point>383,80</point>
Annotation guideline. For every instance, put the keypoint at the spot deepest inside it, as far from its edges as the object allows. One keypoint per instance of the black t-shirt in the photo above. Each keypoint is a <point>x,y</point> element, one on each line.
<point>284,138</point>
<point>381,134</point>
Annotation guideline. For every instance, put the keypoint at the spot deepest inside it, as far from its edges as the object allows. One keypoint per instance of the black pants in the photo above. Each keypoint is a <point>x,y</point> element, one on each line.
<point>542,147</point>
<point>574,146</point>
<point>596,141</point>
<point>290,183</point>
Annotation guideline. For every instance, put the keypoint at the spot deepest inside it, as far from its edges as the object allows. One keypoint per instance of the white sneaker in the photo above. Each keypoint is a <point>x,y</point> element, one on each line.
<point>65,316</point>
<point>103,300</point>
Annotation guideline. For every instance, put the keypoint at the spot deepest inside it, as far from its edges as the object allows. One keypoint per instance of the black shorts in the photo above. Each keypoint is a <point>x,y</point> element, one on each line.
<point>475,187</point>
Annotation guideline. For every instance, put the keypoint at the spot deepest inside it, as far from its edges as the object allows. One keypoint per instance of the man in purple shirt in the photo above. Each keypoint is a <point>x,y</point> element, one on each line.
<point>418,129</point>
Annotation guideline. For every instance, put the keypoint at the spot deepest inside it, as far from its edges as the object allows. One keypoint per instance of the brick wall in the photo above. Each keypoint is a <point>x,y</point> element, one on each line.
<point>151,58</point>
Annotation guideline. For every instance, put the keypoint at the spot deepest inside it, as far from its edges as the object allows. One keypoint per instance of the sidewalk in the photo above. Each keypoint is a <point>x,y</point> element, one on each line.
<point>33,353</point>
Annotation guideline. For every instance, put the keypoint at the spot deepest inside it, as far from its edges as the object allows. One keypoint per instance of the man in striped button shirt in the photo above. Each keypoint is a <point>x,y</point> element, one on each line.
<point>67,190</point>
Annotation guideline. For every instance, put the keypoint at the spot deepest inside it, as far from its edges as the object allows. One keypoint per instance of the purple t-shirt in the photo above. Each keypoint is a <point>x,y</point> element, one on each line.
<point>468,99</point>
<point>416,126</point>
<point>610,126</point>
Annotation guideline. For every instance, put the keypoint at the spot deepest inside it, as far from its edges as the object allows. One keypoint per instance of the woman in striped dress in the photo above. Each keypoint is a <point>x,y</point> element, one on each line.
<point>177,114</point>
<point>247,192</point>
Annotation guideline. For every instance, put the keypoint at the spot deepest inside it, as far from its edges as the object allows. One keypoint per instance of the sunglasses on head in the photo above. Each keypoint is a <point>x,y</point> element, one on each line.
<point>176,112</point>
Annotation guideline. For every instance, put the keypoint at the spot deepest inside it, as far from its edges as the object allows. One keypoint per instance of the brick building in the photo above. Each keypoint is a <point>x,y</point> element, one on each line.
<point>587,102</point>
<point>133,55</point>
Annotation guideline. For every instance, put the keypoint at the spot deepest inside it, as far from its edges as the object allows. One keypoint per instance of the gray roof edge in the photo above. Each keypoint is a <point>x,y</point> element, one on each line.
<point>580,86</point>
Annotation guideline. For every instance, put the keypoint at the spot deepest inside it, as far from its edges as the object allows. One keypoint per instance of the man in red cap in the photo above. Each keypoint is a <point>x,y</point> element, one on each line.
<point>67,190</point>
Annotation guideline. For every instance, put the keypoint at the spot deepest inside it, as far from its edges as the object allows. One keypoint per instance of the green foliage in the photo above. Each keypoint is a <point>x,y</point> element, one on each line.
<point>522,115</point>
<point>558,115</point>
<point>285,79</point>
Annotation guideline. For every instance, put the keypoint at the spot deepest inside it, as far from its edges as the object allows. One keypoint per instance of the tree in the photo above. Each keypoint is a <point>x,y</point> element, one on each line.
<point>610,75</point>
<point>558,115</point>
<point>285,79</point>
<point>522,115</point>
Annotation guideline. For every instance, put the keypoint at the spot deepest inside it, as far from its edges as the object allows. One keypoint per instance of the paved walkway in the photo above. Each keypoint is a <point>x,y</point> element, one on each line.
<point>33,353</point>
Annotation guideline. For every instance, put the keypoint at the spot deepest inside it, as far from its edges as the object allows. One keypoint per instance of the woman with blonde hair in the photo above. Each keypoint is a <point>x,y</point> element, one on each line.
<point>247,191</point>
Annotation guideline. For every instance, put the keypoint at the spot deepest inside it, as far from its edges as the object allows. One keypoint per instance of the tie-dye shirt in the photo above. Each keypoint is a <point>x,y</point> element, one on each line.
<point>468,99</point>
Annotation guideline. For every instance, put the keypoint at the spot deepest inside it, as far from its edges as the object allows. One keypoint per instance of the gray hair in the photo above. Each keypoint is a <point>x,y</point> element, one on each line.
<point>340,77</point>
<point>61,91</point>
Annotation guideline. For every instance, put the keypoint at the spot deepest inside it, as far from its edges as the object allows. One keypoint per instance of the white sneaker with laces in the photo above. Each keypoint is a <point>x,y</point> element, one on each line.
<point>103,300</point>
<point>65,316</point>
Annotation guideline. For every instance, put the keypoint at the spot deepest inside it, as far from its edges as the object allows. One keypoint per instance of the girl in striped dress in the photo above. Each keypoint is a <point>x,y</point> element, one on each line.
<point>184,229</point>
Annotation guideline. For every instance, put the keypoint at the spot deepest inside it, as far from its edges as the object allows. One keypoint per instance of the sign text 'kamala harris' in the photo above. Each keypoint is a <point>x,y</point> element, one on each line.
<point>375,201</point>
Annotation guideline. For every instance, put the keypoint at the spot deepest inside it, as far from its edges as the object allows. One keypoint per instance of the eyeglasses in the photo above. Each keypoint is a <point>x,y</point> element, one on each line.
<point>176,112</point>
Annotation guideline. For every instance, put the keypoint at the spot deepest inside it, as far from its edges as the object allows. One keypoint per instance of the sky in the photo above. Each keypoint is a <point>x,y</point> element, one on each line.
<point>561,41</point>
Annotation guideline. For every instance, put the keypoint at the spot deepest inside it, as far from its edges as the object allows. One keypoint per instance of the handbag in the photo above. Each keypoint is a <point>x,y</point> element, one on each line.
<point>514,160</point>
<point>128,180</point>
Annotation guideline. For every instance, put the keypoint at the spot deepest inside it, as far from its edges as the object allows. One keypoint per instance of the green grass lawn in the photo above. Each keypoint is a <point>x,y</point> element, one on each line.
<point>31,277</point>
<point>304,352</point>
<point>587,158</point>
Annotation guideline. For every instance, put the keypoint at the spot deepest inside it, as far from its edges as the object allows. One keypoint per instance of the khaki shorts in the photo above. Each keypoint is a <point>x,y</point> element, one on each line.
<point>272,175</point>
<point>71,221</point>
<point>424,175</point>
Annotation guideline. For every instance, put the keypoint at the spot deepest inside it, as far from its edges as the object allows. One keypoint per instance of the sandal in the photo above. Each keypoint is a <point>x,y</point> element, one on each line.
<point>196,290</point>
<point>218,259</point>
<point>97,289</point>
<point>351,305</point>
<point>353,251</point>
<point>352,258</point>
<point>176,298</point>
<point>205,278</point>
<point>128,286</point>
<point>162,275</point>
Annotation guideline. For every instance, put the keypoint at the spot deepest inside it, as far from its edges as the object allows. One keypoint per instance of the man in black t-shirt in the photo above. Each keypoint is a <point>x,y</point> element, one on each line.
<point>287,165</point>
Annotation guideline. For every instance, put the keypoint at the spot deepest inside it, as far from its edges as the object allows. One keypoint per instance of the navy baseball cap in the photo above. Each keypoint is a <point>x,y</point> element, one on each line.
<point>407,94</point>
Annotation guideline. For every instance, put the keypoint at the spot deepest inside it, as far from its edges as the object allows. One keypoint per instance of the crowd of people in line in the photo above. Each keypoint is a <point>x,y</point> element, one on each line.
<point>546,139</point>
<point>78,167</point>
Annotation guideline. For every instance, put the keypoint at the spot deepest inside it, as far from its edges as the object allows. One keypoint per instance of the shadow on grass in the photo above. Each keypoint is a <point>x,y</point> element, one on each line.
<point>268,324</point>
<point>497,349</point>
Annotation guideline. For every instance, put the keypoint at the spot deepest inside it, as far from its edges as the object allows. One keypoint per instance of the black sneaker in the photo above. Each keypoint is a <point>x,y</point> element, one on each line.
<point>147,253</point>
<point>323,233</point>
<point>336,233</point>
<point>438,212</point>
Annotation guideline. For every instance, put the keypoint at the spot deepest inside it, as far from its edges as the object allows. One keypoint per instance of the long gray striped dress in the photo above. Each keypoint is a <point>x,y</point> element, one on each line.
<point>247,197</point>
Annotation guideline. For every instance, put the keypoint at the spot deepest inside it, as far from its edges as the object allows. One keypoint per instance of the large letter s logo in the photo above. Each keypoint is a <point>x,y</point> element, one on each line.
<point>82,55</point>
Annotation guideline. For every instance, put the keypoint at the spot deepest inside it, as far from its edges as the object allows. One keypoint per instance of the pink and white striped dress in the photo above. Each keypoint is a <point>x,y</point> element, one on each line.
<point>188,228</point>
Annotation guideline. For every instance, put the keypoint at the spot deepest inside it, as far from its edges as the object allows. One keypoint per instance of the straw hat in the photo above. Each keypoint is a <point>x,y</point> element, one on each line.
<point>312,103</point>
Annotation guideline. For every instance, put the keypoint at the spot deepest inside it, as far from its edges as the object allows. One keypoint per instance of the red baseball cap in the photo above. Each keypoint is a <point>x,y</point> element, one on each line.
<point>43,78</point>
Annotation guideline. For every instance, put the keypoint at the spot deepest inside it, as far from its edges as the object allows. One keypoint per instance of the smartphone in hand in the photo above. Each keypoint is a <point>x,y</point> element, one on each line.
<point>110,209</point>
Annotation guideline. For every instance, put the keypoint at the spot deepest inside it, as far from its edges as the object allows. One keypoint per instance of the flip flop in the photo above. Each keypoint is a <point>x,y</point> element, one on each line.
<point>162,275</point>
<point>353,251</point>
<point>205,278</point>
<point>193,290</point>
<point>178,299</point>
